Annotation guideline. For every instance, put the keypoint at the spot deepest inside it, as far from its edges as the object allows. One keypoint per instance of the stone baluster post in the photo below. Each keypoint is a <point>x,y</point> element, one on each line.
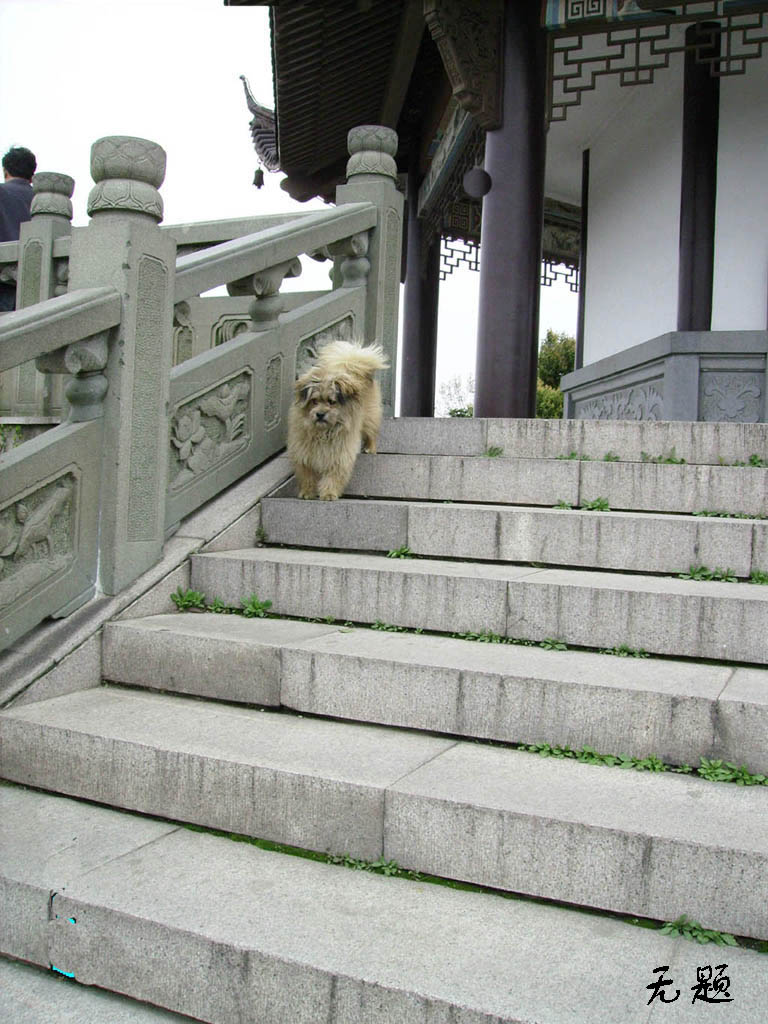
<point>123,247</point>
<point>371,176</point>
<point>39,277</point>
<point>265,286</point>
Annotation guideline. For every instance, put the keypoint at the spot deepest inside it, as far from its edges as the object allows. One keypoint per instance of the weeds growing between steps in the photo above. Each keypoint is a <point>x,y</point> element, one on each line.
<point>668,458</point>
<point>682,927</point>
<point>712,770</point>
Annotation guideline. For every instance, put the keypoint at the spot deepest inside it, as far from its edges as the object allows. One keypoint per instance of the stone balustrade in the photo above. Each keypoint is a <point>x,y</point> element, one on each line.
<point>109,308</point>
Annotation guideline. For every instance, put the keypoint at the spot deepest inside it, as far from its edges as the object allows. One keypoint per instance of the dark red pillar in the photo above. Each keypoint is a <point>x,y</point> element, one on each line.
<point>510,256</point>
<point>422,286</point>
<point>698,187</point>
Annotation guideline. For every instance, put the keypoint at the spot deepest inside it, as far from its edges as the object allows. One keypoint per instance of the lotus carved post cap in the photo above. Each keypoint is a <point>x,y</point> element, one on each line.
<point>127,171</point>
<point>372,148</point>
<point>52,194</point>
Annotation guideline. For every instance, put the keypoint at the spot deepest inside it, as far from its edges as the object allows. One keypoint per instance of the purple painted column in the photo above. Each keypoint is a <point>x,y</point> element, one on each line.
<point>513,211</point>
<point>422,285</point>
<point>698,187</point>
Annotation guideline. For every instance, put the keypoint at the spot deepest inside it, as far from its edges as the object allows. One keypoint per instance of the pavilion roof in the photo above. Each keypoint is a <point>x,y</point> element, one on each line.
<point>333,66</point>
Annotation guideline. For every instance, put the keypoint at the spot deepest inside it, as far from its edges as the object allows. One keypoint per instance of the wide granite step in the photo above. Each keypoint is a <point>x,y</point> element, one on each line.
<point>39,995</point>
<point>598,836</point>
<point>633,486</point>
<point>628,541</point>
<point>723,621</point>
<point>630,440</point>
<point>226,932</point>
<point>677,710</point>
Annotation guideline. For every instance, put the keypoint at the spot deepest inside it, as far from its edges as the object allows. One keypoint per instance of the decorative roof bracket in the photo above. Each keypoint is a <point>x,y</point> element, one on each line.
<point>469,35</point>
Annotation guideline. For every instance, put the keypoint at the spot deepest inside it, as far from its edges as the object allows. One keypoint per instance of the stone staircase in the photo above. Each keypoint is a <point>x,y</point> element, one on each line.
<point>387,744</point>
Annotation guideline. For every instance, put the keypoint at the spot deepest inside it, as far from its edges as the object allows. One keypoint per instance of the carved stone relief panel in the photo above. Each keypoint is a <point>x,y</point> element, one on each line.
<point>735,397</point>
<point>183,333</point>
<point>643,402</point>
<point>273,391</point>
<point>306,353</point>
<point>228,327</point>
<point>37,537</point>
<point>207,430</point>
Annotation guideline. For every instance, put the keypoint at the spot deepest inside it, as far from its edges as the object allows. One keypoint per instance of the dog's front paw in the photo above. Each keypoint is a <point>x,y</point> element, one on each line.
<point>307,495</point>
<point>328,496</point>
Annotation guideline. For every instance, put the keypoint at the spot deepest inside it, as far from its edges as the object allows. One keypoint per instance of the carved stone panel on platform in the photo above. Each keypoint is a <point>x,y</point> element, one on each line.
<point>209,429</point>
<point>731,397</point>
<point>715,376</point>
<point>639,403</point>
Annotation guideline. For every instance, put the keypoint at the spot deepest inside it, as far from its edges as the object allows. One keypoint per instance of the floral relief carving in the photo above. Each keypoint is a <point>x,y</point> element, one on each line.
<point>639,403</point>
<point>210,429</point>
<point>36,538</point>
<point>732,397</point>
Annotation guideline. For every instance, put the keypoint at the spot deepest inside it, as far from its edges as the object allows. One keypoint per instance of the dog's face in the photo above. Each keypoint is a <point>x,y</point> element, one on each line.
<point>325,400</point>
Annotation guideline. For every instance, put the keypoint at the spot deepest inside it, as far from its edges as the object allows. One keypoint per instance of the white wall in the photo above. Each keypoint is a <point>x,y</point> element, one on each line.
<point>634,219</point>
<point>740,294</point>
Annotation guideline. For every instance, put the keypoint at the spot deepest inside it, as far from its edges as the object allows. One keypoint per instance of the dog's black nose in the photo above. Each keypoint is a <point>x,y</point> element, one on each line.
<point>320,415</point>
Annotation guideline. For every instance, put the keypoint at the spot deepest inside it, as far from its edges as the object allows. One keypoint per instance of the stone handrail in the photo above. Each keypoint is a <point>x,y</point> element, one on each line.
<point>55,323</point>
<point>85,508</point>
<point>201,234</point>
<point>9,252</point>
<point>37,265</point>
<point>236,259</point>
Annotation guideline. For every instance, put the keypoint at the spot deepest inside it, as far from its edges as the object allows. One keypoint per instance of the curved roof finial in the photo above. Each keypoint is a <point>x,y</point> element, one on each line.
<point>263,130</point>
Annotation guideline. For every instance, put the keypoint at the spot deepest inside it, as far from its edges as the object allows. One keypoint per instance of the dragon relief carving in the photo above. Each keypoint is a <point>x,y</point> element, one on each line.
<point>210,429</point>
<point>35,538</point>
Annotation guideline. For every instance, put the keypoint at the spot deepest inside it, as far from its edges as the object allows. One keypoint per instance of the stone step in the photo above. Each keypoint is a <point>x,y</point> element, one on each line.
<point>34,995</point>
<point>697,443</point>
<point>680,711</point>
<point>490,815</point>
<point>633,486</point>
<point>723,621</point>
<point>227,932</point>
<point>635,542</point>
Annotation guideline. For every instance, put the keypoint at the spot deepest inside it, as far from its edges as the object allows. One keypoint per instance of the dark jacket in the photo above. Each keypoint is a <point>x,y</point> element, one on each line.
<point>15,201</point>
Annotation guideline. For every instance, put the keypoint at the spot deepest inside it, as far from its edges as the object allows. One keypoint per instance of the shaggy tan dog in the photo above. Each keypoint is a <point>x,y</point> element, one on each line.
<point>337,408</point>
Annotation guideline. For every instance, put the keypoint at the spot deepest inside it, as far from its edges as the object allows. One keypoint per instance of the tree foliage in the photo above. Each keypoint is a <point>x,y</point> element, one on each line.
<point>556,357</point>
<point>549,402</point>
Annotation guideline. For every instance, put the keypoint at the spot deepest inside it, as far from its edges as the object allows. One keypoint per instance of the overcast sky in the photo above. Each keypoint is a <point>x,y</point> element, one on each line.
<point>72,71</point>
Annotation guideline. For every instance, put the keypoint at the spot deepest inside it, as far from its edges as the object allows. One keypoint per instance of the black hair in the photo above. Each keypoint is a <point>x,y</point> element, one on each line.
<point>20,162</point>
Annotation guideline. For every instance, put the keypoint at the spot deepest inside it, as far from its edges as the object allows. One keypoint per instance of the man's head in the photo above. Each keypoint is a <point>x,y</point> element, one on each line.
<point>19,162</point>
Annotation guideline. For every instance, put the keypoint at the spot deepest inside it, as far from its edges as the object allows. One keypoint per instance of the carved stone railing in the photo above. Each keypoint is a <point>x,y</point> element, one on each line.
<point>38,263</point>
<point>50,486</point>
<point>201,323</point>
<point>85,508</point>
